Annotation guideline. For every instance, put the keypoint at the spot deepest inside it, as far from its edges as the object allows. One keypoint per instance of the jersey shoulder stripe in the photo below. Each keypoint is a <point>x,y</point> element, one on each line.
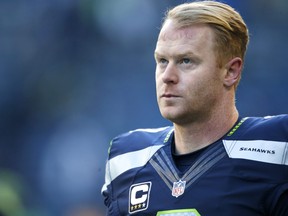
<point>133,149</point>
<point>274,152</point>
<point>260,139</point>
<point>137,139</point>
<point>122,163</point>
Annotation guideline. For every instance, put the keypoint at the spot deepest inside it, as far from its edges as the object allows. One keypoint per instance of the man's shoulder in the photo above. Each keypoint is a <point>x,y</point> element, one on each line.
<point>262,139</point>
<point>266,121</point>
<point>264,128</point>
<point>136,140</point>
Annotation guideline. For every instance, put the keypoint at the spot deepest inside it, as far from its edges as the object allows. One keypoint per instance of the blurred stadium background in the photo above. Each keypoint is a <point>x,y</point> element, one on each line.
<point>75,73</point>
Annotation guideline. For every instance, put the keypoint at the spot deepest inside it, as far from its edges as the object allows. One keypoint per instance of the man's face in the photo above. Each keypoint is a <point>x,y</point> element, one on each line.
<point>189,82</point>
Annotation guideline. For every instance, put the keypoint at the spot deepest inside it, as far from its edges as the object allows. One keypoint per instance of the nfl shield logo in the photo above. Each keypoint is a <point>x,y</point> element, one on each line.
<point>178,188</point>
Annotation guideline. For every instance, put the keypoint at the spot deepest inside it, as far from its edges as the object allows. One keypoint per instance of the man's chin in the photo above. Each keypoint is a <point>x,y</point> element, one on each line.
<point>173,117</point>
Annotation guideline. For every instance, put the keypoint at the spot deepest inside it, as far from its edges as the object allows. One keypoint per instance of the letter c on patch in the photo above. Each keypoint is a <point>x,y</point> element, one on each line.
<point>144,188</point>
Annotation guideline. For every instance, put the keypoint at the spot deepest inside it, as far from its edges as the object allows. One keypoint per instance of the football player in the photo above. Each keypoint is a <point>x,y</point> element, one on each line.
<point>211,161</point>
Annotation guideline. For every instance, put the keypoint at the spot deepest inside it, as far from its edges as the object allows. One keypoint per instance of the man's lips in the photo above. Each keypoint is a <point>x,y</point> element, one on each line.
<point>169,95</point>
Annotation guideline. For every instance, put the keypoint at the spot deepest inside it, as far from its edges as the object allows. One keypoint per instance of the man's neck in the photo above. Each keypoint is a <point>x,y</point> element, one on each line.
<point>197,135</point>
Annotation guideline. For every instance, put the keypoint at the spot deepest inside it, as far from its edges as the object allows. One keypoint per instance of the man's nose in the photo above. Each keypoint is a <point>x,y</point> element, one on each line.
<point>170,74</point>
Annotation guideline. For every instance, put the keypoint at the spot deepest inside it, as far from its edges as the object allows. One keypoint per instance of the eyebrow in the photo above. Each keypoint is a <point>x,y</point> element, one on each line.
<point>178,56</point>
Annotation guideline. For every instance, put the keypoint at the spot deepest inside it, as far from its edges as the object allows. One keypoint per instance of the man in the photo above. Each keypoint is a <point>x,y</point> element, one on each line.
<point>211,162</point>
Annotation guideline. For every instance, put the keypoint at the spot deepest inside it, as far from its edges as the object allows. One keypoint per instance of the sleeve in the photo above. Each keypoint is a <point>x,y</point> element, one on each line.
<point>107,188</point>
<point>105,191</point>
<point>281,208</point>
<point>278,197</point>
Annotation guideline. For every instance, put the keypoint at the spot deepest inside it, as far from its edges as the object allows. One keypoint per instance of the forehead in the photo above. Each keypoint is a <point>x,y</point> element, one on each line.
<point>197,37</point>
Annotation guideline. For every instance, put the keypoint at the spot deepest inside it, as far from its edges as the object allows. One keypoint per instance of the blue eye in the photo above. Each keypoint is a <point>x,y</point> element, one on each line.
<point>185,61</point>
<point>163,61</point>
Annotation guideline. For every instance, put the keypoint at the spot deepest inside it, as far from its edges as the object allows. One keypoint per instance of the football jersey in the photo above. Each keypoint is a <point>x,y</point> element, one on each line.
<point>245,173</point>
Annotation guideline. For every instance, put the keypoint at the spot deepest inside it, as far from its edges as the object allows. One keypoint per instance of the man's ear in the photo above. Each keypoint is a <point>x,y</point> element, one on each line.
<point>233,72</point>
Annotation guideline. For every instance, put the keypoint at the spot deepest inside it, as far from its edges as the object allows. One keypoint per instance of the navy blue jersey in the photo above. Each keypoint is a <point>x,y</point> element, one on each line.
<point>243,174</point>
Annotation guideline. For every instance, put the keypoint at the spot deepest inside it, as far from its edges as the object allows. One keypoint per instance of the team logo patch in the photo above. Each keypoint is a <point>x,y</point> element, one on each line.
<point>179,212</point>
<point>139,197</point>
<point>178,188</point>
